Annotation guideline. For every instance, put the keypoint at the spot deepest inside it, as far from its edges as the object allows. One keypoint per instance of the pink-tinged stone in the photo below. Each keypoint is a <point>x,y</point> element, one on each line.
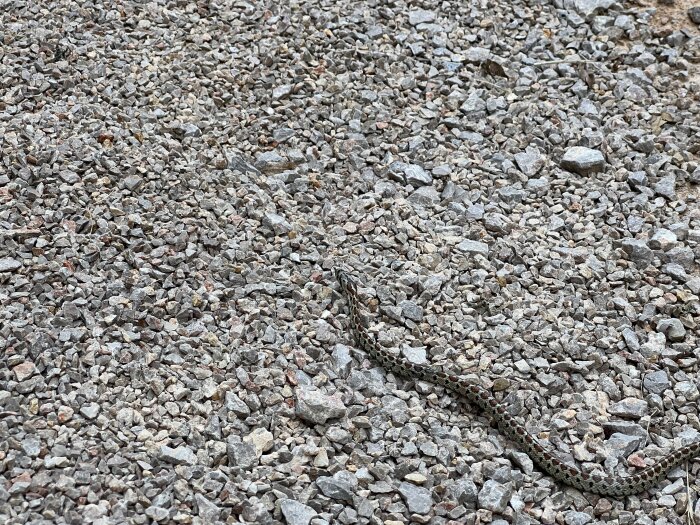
<point>24,370</point>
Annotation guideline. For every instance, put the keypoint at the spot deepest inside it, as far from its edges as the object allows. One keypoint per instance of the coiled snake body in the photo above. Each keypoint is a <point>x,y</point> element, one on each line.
<point>616,486</point>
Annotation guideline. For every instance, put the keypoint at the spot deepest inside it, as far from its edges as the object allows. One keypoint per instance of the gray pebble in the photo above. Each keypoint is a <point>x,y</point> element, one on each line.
<point>475,247</point>
<point>236,405</point>
<point>272,162</point>
<point>583,161</point>
<point>420,16</point>
<point>630,407</point>
<point>657,382</point>
<point>296,513</point>
<point>418,499</point>
<point>573,517</point>
<point>314,406</point>
<point>206,509</point>
<point>241,455</point>
<point>666,187</point>
<point>663,239</point>
<point>673,329</point>
<point>475,212</point>
<point>90,410</point>
<point>592,7</point>
<point>339,487</point>
<point>530,162</point>
<point>637,179</point>
<point>181,455</point>
<point>494,496</point>
<point>8,265</point>
<point>638,251</point>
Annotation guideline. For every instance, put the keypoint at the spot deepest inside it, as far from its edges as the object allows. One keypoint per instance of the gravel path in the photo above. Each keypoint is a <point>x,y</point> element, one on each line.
<point>517,183</point>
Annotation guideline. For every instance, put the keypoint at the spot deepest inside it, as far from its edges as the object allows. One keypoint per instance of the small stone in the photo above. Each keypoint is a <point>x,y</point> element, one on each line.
<point>426,196</point>
<point>24,370</point>
<point>637,179</point>
<point>663,239</point>
<point>686,389</point>
<point>666,187</point>
<point>157,513</point>
<point>31,446</point>
<point>418,499</point>
<point>494,496</point>
<point>693,285</point>
<point>630,338</point>
<point>530,162</point>
<point>511,195</point>
<point>314,406</point>
<point>673,329</point>
<point>8,265</point>
<point>655,345</point>
<point>272,162</point>
<point>573,517</point>
<point>241,455</point>
<point>477,55</point>
<point>681,255</point>
<point>622,445</point>
<point>497,223</point>
<point>657,382</point>
<point>296,513</point>
<point>624,427</point>
<point>630,407</point>
<point>181,455</point>
<point>261,439</point>
<point>412,174</point>
<point>583,161</point>
<point>676,271</point>
<point>90,410</point>
<point>538,186</point>
<point>638,251</point>
<point>411,310</point>
<point>473,104</point>
<point>417,355</point>
<point>421,16</point>
<point>207,509</point>
<point>340,487</point>
<point>475,212</point>
<point>234,404</point>
<point>694,14</point>
<point>56,462</point>
<point>695,176</point>
<point>463,491</point>
<point>592,7</point>
<point>132,182</point>
<point>282,91</point>
<point>283,134</point>
<point>416,478</point>
<point>477,247</point>
<point>342,359</point>
<point>417,176</point>
<point>441,171</point>
<point>277,223</point>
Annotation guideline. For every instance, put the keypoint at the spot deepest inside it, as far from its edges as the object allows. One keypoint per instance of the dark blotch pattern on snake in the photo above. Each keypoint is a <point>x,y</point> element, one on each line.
<point>616,486</point>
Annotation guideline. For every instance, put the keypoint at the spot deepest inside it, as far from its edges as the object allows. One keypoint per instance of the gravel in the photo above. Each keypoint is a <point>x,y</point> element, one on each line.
<point>515,185</point>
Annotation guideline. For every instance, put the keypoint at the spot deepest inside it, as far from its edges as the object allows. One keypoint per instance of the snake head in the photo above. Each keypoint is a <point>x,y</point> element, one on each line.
<point>347,281</point>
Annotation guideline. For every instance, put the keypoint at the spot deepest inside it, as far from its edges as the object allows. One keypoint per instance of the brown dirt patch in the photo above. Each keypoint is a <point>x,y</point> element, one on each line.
<point>673,16</point>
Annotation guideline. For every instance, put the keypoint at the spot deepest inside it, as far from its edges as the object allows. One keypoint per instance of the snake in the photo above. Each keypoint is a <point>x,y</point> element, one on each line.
<point>605,485</point>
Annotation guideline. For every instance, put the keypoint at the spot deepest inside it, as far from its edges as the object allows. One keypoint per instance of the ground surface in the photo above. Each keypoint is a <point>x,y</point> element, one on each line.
<point>178,179</point>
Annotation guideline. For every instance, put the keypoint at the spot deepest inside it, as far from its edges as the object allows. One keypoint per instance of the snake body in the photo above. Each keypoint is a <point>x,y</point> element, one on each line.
<point>616,486</point>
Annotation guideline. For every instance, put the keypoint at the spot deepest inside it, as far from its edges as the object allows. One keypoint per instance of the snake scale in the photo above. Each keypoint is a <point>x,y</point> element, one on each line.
<point>615,486</point>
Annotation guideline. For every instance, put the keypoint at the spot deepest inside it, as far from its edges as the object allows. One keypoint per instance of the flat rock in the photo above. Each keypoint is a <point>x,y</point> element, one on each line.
<point>583,161</point>
<point>296,513</point>
<point>8,264</point>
